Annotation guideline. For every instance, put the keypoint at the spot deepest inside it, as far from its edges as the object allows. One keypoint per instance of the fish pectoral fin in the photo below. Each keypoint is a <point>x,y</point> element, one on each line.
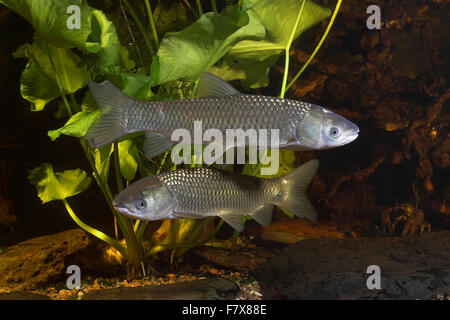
<point>263,215</point>
<point>155,144</point>
<point>210,85</point>
<point>234,220</point>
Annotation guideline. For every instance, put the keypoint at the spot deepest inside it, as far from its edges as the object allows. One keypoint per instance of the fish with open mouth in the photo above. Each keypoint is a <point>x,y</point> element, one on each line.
<point>301,125</point>
<point>203,192</point>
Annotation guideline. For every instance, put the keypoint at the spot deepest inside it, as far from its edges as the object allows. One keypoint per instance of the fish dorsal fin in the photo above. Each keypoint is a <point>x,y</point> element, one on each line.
<point>155,144</point>
<point>210,85</point>
<point>234,220</point>
<point>263,215</point>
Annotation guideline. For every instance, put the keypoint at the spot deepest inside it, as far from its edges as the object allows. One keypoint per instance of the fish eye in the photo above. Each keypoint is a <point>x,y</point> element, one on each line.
<point>335,132</point>
<point>141,204</point>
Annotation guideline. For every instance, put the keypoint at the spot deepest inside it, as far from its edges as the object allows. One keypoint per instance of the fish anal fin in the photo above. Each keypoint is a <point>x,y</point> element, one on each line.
<point>263,215</point>
<point>234,220</point>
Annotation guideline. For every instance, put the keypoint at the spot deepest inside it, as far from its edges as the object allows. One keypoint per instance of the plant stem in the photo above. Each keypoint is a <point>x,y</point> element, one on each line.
<point>74,102</point>
<point>131,34</point>
<point>330,24</point>
<point>117,167</point>
<point>58,81</point>
<point>234,236</point>
<point>260,162</point>
<point>199,6</point>
<point>105,189</point>
<point>114,243</point>
<point>286,63</point>
<point>140,26</point>
<point>214,5</point>
<point>152,24</point>
<point>118,178</point>
<point>186,2</point>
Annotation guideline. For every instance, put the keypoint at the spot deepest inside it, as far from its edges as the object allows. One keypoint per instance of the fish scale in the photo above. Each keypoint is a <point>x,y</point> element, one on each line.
<point>240,111</point>
<point>210,192</point>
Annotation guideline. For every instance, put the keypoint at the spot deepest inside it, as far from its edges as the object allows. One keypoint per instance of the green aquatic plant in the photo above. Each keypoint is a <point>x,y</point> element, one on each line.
<point>169,52</point>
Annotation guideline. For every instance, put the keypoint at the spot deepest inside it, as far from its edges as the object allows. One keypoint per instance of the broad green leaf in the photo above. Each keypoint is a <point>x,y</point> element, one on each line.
<point>104,41</point>
<point>185,55</point>
<point>286,164</point>
<point>127,159</point>
<point>49,20</point>
<point>256,57</point>
<point>77,125</point>
<point>38,81</point>
<point>136,85</point>
<point>102,158</point>
<point>52,185</point>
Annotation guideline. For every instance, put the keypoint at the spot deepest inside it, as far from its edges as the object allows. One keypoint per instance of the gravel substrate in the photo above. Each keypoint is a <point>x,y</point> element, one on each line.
<point>249,287</point>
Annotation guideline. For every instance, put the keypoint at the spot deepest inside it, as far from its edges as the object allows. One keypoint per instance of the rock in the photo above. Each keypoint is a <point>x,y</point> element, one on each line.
<point>21,295</point>
<point>236,258</point>
<point>42,260</point>
<point>411,268</point>
<point>205,289</point>
<point>287,230</point>
<point>278,238</point>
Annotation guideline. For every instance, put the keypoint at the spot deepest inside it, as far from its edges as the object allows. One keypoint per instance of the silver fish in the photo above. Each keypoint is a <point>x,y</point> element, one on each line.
<point>204,192</point>
<point>302,126</point>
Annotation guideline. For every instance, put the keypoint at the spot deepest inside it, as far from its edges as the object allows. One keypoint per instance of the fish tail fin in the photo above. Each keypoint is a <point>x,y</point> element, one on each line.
<point>112,102</point>
<point>295,184</point>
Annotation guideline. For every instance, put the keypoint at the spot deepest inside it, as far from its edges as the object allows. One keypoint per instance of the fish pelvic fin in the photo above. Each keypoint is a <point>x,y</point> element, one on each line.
<point>155,144</point>
<point>294,186</point>
<point>112,123</point>
<point>210,85</point>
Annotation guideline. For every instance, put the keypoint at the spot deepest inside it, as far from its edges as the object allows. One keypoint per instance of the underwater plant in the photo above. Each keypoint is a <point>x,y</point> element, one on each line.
<point>170,47</point>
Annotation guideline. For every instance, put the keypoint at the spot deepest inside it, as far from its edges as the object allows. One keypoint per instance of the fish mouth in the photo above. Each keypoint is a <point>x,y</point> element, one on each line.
<point>126,212</point>
<point>351,137</point>
<point>122,209</point>
<point>353,133</point>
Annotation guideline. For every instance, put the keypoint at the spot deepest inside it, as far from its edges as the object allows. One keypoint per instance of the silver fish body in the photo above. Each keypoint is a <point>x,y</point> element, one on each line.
<point>205,192</point>
<point>301,125</point>
<point>230,112</point>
